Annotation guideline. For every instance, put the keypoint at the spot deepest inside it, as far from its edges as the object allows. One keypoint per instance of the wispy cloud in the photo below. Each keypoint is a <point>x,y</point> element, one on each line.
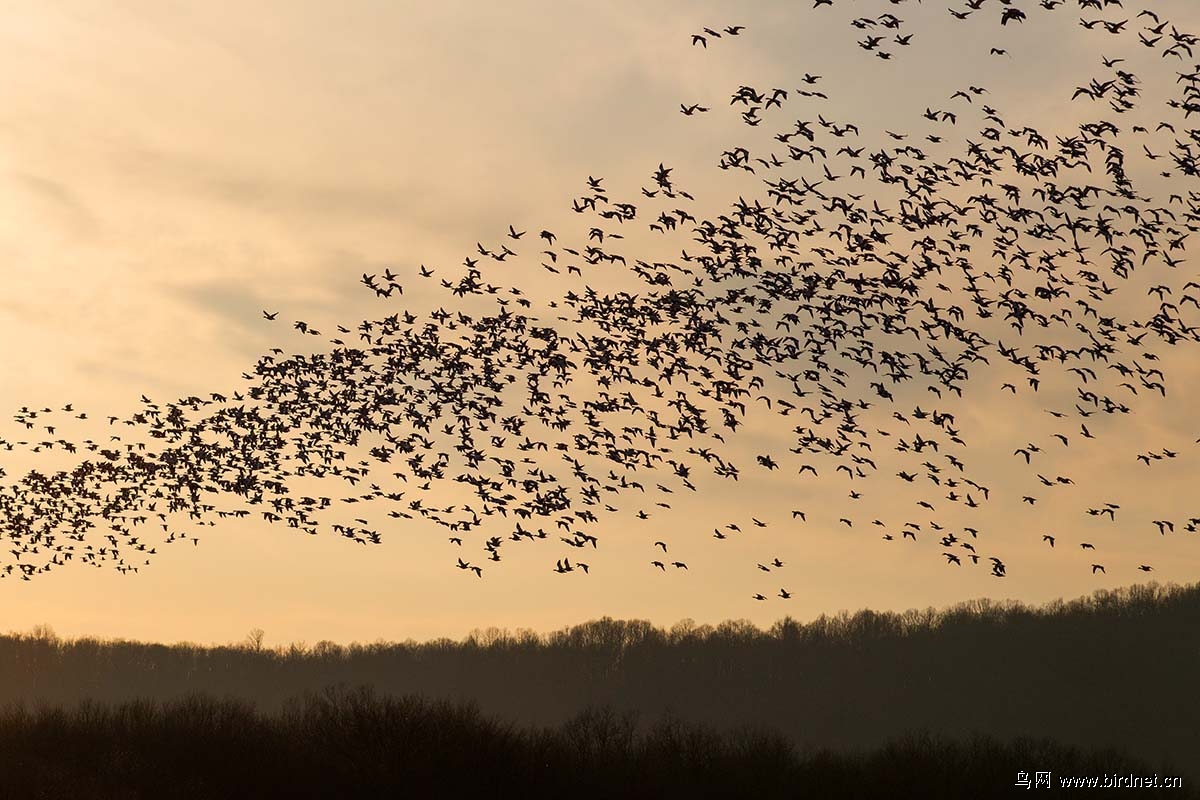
<point>59,205</point>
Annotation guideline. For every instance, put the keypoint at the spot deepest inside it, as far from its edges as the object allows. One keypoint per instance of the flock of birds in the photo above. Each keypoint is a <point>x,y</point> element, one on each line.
<point>863,288</point>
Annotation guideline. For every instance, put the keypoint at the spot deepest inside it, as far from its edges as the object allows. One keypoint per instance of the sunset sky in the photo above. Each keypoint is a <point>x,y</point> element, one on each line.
<point>168,170</point>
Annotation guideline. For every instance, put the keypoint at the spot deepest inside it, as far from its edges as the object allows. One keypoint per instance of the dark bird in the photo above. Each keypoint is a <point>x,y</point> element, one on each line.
<point>844,274</point>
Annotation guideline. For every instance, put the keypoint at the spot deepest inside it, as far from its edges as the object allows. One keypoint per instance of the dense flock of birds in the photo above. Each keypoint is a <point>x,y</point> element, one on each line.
<point>862,288</point>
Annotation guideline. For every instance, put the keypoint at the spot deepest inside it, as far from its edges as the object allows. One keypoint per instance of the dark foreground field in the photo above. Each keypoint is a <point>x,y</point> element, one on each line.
<point>1100,685</point>
<point>352,743</point>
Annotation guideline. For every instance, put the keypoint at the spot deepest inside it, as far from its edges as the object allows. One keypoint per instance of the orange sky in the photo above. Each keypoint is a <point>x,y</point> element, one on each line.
<point>168,170</point>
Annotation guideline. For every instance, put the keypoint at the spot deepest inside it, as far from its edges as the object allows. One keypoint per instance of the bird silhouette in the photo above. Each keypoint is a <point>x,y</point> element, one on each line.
<point>844,290</point>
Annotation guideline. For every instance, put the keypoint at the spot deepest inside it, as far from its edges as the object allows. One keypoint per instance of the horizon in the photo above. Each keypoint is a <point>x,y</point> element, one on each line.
<point>46,632</point>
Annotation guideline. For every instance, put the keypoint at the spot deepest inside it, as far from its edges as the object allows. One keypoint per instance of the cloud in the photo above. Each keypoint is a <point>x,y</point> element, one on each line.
<point>59,204</point>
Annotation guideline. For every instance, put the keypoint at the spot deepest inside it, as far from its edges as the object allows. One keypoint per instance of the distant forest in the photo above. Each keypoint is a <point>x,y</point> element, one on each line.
<point>1117,669</point>
<point>354,744</point>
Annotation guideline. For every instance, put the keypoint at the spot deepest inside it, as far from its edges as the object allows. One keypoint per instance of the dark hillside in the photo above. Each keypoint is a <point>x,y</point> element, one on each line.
<point>1113,670</point>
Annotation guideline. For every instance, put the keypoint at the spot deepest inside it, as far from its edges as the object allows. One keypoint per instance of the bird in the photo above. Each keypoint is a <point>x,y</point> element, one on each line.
<point>971,245</point>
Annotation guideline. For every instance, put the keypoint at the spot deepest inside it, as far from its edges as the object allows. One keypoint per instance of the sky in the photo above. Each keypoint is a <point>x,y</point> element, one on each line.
<point>169,170</point>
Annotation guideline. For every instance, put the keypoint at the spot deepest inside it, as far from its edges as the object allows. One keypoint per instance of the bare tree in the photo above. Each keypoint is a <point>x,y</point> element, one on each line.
<point>254,639</point>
